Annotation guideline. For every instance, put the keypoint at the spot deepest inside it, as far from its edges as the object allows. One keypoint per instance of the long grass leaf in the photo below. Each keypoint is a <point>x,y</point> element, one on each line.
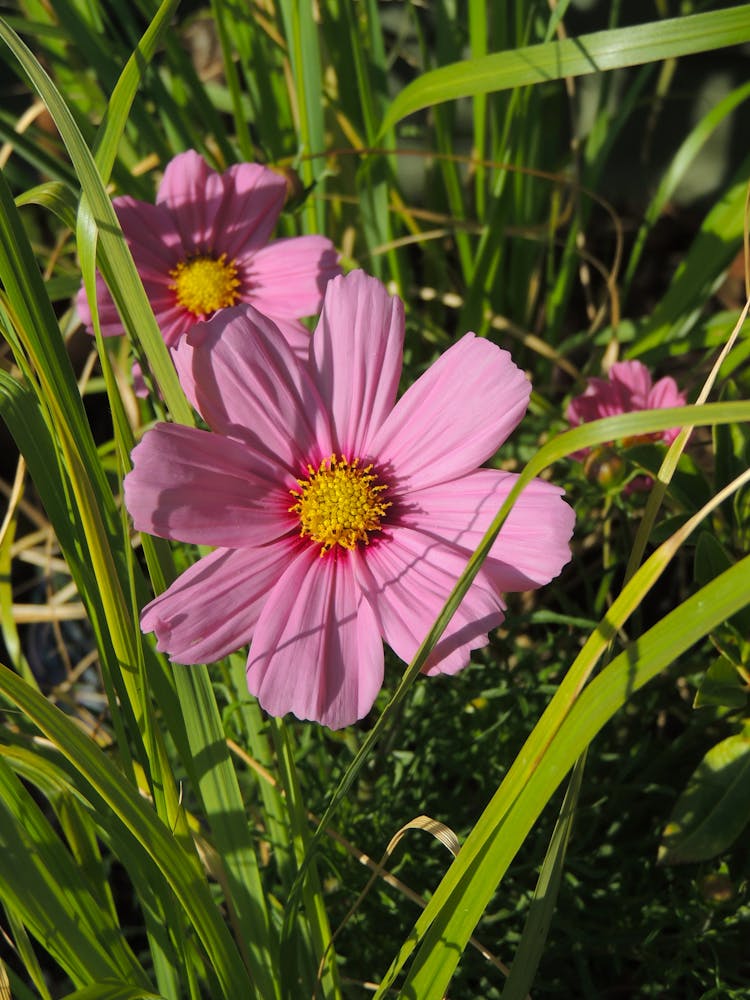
<point>585,436</point>
<point>126,289</point>
<point>40,880</point>
<point>571,57</point>
<point>485,857</point>
<point>125,802</point>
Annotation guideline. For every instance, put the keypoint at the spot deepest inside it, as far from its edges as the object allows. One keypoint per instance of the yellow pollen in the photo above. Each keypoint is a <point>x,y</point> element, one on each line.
<point>204,284</point>
<point>339,503</point>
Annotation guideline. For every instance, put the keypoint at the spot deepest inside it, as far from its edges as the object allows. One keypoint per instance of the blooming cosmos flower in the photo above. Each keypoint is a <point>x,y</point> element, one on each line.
<point>341,517</point>
<point>628,388</point>
<point>204,246</point>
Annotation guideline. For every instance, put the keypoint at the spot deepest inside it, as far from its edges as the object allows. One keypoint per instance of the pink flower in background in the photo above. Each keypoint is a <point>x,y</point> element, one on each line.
<point>204,246</point>
<point>341,517</point>
<point>627,389</point>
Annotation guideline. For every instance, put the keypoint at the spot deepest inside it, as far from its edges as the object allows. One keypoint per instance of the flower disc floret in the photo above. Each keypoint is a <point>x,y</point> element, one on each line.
<point>204,284</point>
<point>339,503</point>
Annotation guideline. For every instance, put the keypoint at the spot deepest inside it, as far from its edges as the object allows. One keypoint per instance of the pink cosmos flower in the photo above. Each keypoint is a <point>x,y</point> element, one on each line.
<point>341,517</point>
<point>204,246</point>
<point>627,389</point>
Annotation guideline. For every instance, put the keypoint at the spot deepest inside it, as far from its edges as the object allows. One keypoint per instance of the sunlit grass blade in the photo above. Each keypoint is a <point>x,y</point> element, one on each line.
<point>584,436</point>
<point>570,57</point>
<point>542,907</point>
<point>710,253</point>
<point>222,800</point>
<point>54,196</point>
<point>138,818</point>
<point>304,54</point>
<point>681,163</point>
<point>81,935</point>
<point>126,288</point>
<point>111,991</point>
<point>453,912</point>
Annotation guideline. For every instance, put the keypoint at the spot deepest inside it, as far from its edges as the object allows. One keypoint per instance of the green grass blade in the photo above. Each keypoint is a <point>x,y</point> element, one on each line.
<point>710,253</point>
<point>127,289</point>
<point>55,196</point>
<point>223,30</point>
<point>26,954</point>
<point>41,882</point>
<point>111,991</point>
<point>320,931</point>
<point>225,811</point>
<point>178,869</point>
<point>528,955</point>
<point>484,858</point>
<point>572,57</point>
<point>682,161</point>
<point>304,54</point>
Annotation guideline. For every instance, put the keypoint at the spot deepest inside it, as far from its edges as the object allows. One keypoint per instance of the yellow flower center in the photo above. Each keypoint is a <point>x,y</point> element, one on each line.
<point>339,503</point>
<point>204,284</point>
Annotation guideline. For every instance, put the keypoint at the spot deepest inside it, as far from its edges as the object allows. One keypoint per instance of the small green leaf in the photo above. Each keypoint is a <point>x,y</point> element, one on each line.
<point>722,687</point>
<point>711,558</point>
<point>714,808</point>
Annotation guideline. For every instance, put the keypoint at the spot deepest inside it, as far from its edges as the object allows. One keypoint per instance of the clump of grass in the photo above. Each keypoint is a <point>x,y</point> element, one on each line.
<point>162,836</point>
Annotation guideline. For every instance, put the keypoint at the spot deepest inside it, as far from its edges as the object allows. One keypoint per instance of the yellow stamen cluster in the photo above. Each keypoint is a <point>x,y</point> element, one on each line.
<point>339,503</point>
<point>204,284</point>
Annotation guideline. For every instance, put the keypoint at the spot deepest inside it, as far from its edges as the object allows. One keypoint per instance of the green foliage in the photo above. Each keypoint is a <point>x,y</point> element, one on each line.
<point>160,844</point>
<point>713,810</point>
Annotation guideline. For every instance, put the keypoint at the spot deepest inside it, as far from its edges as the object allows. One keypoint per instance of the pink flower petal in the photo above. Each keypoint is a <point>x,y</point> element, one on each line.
<point>152,235</point>
<point>316,651</point>
<point>296,335</point>
<point>183,191</point>
<point>665,395</point>
<point>406,578</point>
<point>532,546</point>
<point>194,486</point>
<point>108,315</point>
<point>357,354</point>
<point>243,378</point>
<point>288,277</point>
<point>454,417</point>
<point>213,607</point>
<point>254,198</point>
<point>634,380</point>
<point>173,320</point>
<point>233,212</point>
<point>628,390</point>
<point>599,399</point>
